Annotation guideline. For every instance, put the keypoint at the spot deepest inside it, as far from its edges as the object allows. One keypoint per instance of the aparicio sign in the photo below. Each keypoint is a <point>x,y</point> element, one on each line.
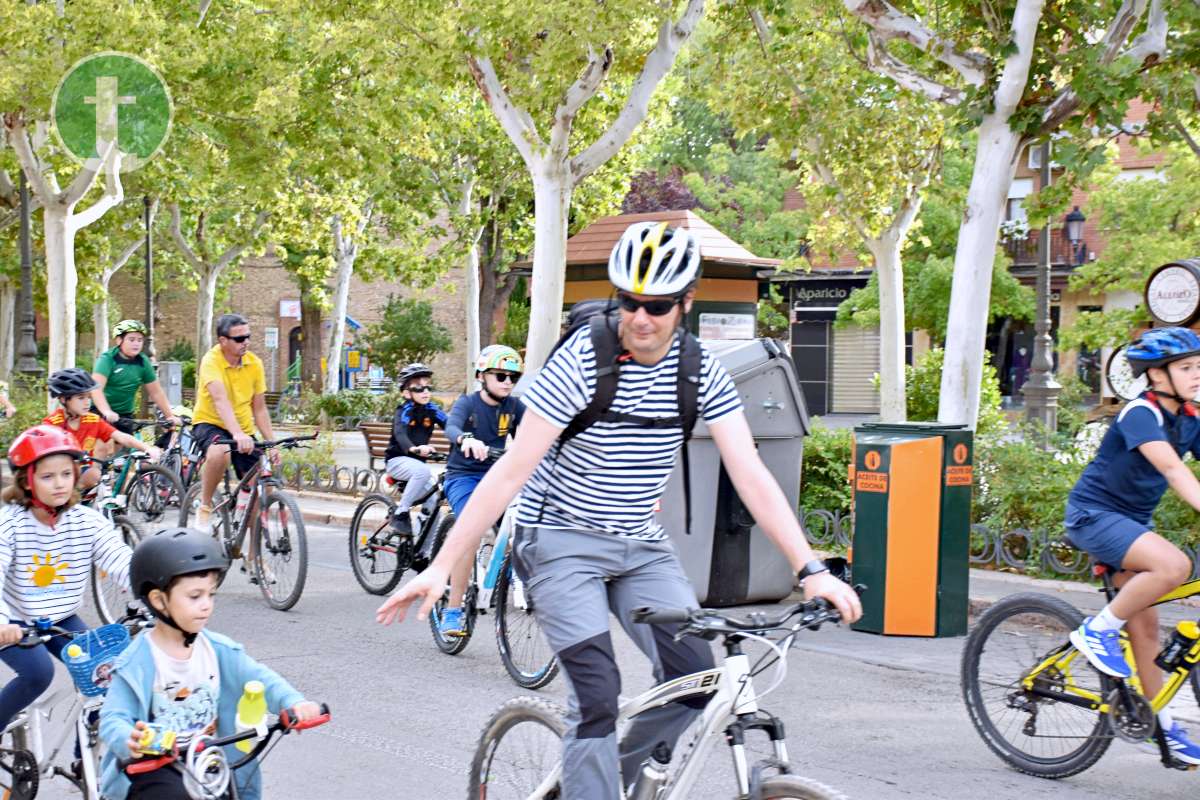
<point>819,299</point>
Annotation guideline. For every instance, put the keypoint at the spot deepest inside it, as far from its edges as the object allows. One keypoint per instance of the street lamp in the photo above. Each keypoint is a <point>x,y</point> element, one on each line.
<point>1074,225</point>
<point>1041,390</point>
<point>27,364</point>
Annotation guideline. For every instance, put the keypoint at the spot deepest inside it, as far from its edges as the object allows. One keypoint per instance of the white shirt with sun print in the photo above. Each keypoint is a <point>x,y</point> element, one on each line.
<point>185,694</point>
<point>44,572</point>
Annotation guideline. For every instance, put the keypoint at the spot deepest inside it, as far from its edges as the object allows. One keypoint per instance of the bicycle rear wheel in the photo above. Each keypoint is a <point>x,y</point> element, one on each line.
<point>152,493</point>
<point>1034,734</point>
<point>450,645</point>
<point>793,787</point>
<point>280,550</point>
<point>519,751</point>
<point>523,649</point>
<point>110,597</point>
<point>19,776</point>
<point>379,554</point>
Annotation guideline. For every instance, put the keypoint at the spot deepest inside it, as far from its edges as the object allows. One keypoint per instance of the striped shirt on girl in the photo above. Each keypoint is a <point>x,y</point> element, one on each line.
<point>45,571</point>
<point>610,477</point>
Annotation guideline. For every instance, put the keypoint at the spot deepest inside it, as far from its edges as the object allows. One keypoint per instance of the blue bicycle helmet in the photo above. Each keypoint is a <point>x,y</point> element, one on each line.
<point>1161,346</point>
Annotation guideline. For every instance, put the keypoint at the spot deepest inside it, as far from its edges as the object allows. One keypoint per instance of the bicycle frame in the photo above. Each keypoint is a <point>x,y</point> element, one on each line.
<point>1062,657</point>
<point>485,580</point>
<point>732,700</point>
<point>30,721</point>
<point>255,478</point>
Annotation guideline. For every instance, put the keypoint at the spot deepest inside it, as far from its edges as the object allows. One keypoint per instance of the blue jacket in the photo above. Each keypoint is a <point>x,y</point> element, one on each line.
<point>128,701</point>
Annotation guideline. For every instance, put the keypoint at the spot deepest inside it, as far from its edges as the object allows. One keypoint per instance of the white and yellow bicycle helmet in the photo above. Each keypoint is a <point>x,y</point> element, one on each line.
<point>499,356</point>
<point>653,259</point>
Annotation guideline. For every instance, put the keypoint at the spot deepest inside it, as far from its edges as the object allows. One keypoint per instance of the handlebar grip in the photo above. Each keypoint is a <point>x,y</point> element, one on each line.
<point>647,615</point>
<point>292,724</point>
<point>140,766</point>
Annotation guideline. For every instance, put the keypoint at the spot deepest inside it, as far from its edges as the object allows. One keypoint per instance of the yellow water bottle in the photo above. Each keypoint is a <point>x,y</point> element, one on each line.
<point>251,712</point>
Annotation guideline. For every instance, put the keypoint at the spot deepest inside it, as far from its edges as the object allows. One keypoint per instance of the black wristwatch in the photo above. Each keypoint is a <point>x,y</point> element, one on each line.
<point>813,567</point>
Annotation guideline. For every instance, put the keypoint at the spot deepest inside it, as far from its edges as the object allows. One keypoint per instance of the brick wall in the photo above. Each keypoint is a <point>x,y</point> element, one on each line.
<point>258,294</point>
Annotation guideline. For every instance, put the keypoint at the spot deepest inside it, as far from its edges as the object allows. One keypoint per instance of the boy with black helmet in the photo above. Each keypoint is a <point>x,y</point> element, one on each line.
<point>180,675</point>
<point>409,448</point>
<point>1109,511</point>
<point>48,545</point>
<point>73,388</point>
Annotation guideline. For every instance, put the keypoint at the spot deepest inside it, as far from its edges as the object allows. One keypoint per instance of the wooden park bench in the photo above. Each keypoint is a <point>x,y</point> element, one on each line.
<point>378,434</point>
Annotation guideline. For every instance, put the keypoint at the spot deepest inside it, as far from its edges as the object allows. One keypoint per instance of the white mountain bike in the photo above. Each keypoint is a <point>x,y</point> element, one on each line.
<point>519,754</point>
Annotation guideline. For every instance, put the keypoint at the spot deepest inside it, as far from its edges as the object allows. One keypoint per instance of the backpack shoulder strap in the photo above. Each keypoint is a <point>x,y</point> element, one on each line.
<point>606,346</point>
<point>688,382</point>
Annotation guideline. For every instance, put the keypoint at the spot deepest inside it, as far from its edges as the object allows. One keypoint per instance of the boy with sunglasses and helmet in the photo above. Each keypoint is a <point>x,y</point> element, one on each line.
<point>409,448</point>
<point>478,422</point>
<point>1109,512</point>
<point>588,543</point>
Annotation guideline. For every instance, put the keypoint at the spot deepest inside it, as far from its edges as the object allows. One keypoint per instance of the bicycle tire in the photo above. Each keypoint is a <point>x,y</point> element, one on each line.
<point>486,777</point>
<point>794,787</point>
<point>152,492</point>
<point>19,775</point>
<point>287,547</point>
<point>110,600</point>
<point>1024,616</point>
<point>524,651</point>
<point>191,501</point>
<point>378,554</point>
<point>451,646</point>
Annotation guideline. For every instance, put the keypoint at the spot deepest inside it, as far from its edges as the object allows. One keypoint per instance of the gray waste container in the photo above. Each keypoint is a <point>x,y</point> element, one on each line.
<point>728,559</point>
<point>170,376</point>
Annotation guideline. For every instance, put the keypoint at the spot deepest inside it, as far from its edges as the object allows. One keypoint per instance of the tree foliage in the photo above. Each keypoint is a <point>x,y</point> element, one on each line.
<point>407,332</point>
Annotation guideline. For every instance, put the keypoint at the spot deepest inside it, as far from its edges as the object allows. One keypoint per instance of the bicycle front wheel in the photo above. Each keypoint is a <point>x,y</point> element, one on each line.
<point>449,644</point>
<point>110,597</point>
<point>793,787</point>
<point>1007,675</point>
<point>519,754</point>
<point>280,549</point>
<point>152,493</point>
<point>379,554</point>
<point>523,649</point>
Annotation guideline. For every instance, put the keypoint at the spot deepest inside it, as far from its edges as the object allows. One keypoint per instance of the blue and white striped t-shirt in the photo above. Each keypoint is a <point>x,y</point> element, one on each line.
<point>45,571</point>
<point>610,476</point>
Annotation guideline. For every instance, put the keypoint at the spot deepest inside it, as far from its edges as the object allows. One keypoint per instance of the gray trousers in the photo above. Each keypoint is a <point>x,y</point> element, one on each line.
<point>416,472</point>
<point>575,578</point>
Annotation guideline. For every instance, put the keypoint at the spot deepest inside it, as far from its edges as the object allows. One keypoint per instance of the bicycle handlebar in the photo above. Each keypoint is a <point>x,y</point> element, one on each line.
<point>286,442</point>
<point>706,622</point>
<point>34,635</point>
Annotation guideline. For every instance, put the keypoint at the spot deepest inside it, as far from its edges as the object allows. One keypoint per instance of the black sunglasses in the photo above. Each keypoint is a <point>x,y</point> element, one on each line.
<point>504,377</point>
<point>427,387</point>
<point>655,308</point>
<point>238,339</point>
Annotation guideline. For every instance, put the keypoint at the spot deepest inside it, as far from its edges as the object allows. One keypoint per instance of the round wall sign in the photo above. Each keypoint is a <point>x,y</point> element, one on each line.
<point>1120,376</point>
<point>1173,292</point>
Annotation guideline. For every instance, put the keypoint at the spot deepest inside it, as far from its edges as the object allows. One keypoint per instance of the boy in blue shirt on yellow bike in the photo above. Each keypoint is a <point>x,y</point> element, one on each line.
<point>1109,511</point>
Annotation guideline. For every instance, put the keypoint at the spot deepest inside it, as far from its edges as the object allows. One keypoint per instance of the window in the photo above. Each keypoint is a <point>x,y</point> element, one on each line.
<point>1020,189</point>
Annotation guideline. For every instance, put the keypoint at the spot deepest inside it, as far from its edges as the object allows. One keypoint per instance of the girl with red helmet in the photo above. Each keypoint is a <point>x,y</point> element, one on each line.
<point>48,543</point>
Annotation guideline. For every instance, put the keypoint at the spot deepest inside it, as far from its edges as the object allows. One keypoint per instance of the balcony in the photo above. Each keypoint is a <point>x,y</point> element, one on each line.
<point>1024,252</point>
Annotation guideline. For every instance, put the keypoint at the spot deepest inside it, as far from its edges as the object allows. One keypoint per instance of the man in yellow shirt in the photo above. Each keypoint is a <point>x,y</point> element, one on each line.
<point>230,404</point>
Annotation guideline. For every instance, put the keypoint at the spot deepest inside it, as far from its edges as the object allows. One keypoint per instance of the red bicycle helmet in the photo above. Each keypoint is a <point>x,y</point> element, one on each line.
<point>41,441</point>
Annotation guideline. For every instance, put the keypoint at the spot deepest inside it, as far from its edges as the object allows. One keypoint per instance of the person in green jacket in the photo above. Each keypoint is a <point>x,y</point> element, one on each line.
<point>120,372</point>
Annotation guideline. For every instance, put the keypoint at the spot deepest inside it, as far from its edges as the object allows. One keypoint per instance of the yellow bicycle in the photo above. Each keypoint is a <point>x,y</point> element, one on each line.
<point>1040,705</point>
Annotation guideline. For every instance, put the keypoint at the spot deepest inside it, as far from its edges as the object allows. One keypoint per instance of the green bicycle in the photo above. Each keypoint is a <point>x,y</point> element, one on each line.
<point>1039,704</point>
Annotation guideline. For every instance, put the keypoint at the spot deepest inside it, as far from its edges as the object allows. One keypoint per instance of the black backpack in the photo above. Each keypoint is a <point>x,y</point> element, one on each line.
<point>601,318</point>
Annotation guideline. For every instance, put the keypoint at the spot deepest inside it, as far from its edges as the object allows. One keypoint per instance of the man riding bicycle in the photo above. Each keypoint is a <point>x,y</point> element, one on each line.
<point>230,403</point>
<point>120,372</point>
<point>478,422</point>
<point>588,541</point>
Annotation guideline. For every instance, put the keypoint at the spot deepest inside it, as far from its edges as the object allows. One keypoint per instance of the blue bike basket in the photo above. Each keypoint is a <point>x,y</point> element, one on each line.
<point>92,669</point>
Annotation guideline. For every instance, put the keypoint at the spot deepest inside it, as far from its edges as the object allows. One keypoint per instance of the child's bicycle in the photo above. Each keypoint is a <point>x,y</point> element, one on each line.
<point>1040,705</point>
<point>257,506</point>
<point>519,754</point>
<point>380,554</point>
<point>494,585</point>
<point>207,773</point>
<point>31,755</point>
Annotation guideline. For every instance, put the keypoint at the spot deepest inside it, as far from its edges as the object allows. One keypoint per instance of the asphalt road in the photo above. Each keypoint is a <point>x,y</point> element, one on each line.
<point>874,717</point>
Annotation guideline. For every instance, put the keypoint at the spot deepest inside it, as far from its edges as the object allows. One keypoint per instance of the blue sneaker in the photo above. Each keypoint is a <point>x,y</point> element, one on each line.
<point>1103,650</point>
<point>1181,746</point>
<point>452,625</point>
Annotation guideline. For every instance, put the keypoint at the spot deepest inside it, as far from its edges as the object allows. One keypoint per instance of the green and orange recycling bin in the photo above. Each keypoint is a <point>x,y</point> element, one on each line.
<point>912,525</point>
